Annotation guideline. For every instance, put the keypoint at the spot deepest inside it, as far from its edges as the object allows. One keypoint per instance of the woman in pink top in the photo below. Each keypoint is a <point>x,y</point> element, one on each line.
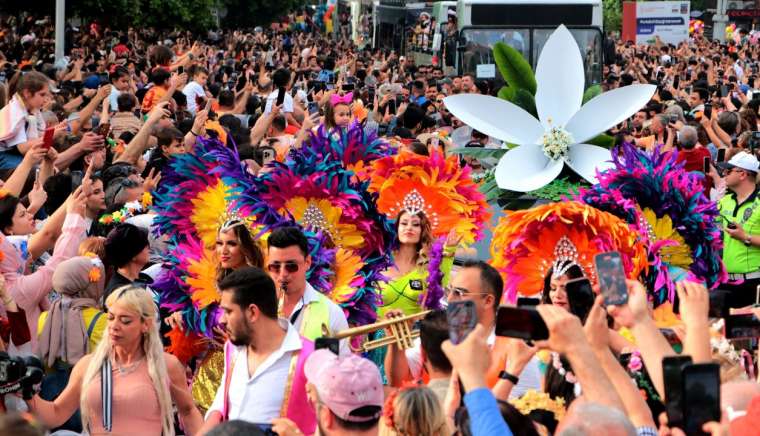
<point>20,245</point>
<point>127,386</point>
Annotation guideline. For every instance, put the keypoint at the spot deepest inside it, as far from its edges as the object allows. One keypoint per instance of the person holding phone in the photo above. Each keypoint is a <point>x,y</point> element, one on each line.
<point>280,96</point>
<point>740,211</point>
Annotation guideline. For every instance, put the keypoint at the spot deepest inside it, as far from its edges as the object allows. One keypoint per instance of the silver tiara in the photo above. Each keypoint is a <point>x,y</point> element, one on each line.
<point>565,256</point>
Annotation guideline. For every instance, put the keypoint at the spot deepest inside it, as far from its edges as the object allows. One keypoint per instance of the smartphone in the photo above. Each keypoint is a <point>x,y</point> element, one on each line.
<point>313,107</point>
<point>347,87</point>
<point>331,344</point>
<point>391,105</point>
<point>687,89</point>
<point>104,130</point>
<point>609,269</point>
<point>281,96</point>
<point>701,396</point>
<point>47,140</point>
<point>268,154</point>
<point>705,165</point>
<point>723,90</point>
<point>521,322</point>
<point>181,70</point>
<point>742,326</point>
<point>721,152</point>
<point>708,112</point>
<point>672,369</point>
<point>528,302</point>
<point>462,319</point>
<point>580,297</point>
<point>672,118</point>
<point>676,81</point>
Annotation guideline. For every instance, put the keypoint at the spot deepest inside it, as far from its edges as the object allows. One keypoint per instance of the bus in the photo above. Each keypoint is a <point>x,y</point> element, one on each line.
<point>526,25</point>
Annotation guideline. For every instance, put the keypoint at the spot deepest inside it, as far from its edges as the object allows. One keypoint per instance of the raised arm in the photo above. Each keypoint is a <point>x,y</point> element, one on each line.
<point>139,143</point>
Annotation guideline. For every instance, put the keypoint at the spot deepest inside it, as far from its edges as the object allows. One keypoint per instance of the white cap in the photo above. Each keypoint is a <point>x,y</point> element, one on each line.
<point>743,160</point>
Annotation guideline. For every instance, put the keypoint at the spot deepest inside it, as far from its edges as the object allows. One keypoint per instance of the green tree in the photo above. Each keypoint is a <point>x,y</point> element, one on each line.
<point>247,13</point>
<point>613,14</point>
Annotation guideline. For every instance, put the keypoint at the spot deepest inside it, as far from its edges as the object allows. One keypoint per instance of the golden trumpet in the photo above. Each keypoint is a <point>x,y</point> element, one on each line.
<point>401,333</point>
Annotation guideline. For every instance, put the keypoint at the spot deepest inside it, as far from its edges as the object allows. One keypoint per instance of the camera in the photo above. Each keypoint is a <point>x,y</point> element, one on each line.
<point>19,374</point>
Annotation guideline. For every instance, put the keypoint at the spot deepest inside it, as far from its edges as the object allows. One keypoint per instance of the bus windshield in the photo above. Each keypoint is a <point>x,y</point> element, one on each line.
<point>529,41</point>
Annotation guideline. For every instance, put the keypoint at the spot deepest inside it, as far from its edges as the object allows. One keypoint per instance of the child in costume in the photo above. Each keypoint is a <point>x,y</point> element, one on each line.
<point>338,111</point>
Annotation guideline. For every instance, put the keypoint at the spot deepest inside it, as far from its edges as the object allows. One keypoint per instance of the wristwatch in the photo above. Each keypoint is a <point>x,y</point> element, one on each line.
<point>504,375</point>
<point>748,241</point>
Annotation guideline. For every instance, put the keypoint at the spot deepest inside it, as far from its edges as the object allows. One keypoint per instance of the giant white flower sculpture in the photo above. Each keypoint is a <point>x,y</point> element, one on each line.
<point>557,137</point>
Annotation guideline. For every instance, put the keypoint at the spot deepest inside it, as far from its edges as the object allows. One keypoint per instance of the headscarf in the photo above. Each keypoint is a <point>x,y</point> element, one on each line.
<point>80,281</point>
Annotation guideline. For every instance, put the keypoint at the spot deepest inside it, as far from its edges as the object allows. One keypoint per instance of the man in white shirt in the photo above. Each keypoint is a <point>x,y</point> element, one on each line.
<point>195,90</point>
<point>259,370</point>
<point>306,308</point>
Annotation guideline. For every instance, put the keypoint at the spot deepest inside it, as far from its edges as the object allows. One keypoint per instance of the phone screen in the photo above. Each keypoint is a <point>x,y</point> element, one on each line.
<point>268,154</point>
<point>47,140</point>
<point>672,368</point>
<point>462,319</point>
<point>701,396</point>
<point>706,165</point>
<point>580,297</point>
<point>521,322</point>
<point>742,326</point>
<point>180,69</point>
<point>721,155</point>
<point>347,87</point>
<point>723,90</point>
<point>281,96</point>
<point>313,107</point>
<point>609,269</point>
<point>331,344</point>
<point>676,81</point>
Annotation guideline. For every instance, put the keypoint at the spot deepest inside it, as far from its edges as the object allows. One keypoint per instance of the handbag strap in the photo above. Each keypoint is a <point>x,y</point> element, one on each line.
<point>106,391</point>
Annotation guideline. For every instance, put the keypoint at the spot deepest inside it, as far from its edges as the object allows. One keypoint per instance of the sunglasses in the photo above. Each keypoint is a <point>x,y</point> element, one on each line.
<point>455,292</point>
<point>290,267</point>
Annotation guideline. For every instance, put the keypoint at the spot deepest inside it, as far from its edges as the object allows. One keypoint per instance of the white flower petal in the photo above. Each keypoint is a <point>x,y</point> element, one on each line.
<point>526,168</point>
<point>495,117</point>
<point>608,109</point>
<point>559,75</point>
<point>585,159</point>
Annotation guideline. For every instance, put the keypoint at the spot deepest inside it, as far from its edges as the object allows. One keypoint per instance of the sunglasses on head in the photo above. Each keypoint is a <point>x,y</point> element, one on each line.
<point>290,267</point>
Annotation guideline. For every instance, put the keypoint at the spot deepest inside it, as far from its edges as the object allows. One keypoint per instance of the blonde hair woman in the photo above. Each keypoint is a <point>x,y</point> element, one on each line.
<point>413,411</point>
<point>128,384</point>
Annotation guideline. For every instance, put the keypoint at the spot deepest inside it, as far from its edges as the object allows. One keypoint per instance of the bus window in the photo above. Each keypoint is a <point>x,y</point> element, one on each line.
<point>480,43</point>
<point>589,43</point>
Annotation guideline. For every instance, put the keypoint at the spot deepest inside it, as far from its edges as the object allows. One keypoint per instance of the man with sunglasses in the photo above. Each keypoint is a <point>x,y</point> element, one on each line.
<point>740,214</point>
<point>480,283</point>
<point>306,308</point>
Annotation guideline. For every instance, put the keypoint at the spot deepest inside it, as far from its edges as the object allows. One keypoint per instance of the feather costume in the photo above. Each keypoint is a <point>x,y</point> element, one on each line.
<point>527,244</point>
<point>666,205</point>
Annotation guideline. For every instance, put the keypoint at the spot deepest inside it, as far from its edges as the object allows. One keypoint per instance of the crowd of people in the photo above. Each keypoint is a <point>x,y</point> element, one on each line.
<point>93,148</point>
